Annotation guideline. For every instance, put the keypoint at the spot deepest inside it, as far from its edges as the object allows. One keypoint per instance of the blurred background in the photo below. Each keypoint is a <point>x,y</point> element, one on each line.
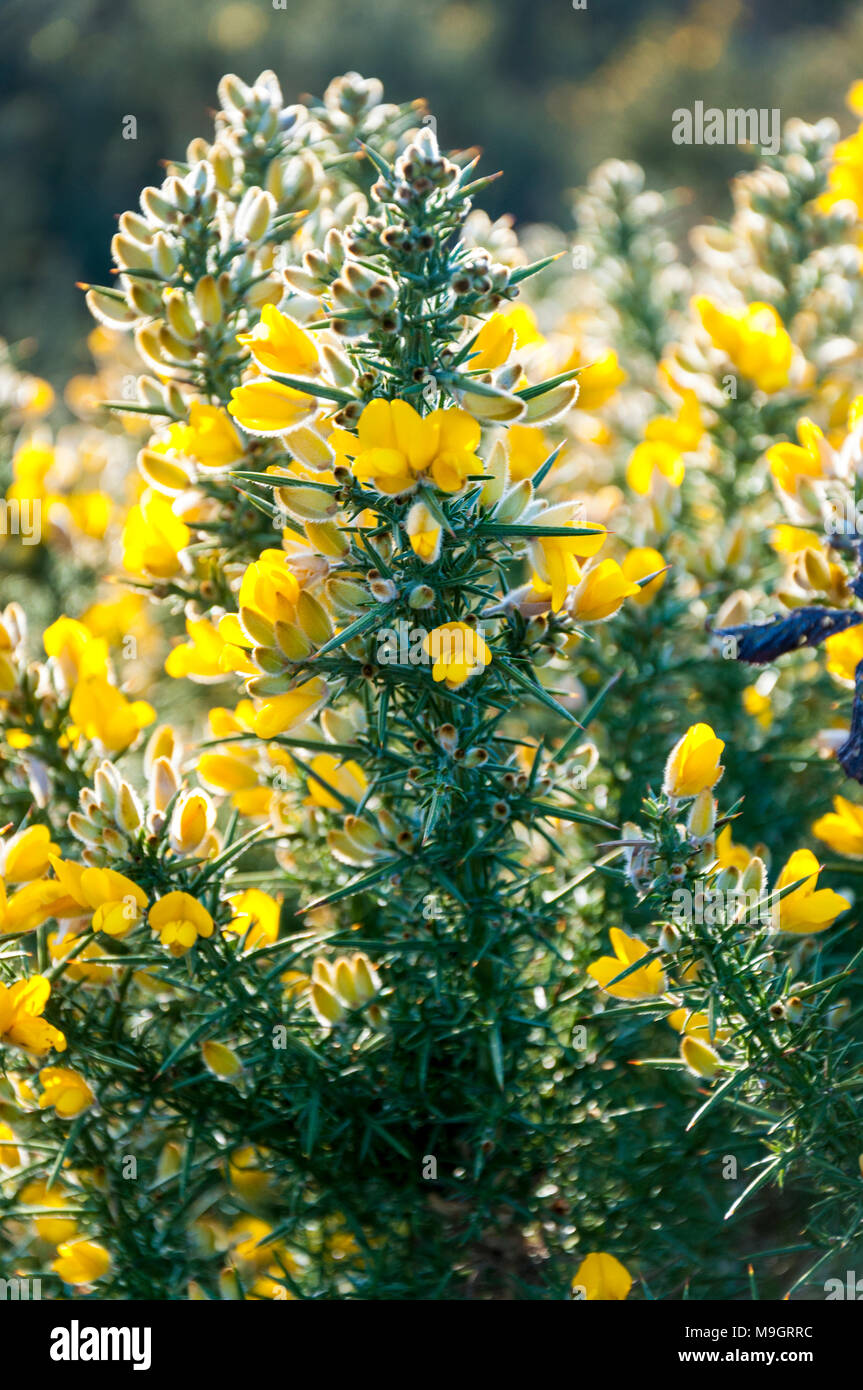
<point>546,89</point>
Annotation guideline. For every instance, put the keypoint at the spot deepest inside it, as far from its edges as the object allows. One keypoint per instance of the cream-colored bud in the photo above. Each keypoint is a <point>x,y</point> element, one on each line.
<point>670,938</point>
<point>84,829</point>
<point>113,841</point>
<point>209,301</point>
<point>129,815</point>
<point>143,297</point>
<point>156,207</point>
<point>105,787</point>
<point>134,226</point>
<point>514,502</point>
<point>162,743</point>
<point>552,404</point>
<point>222,162</point>
<point>702,816</point>
<point>338,364</point>
<point>305,444</point>
<point>754,877</point>
<point>164,784</point>
<point>254,215</point>
<point>234,95</point>
<point>326,1005</point>
<point>301,280</point>
<point>421,596</point>
<point>179,316</point>
<point>817,570</point>
<point>113,313</point>
<point>130,254</point>
<point>306,503</point>
<point>497,470</point>
<point>326,537</point>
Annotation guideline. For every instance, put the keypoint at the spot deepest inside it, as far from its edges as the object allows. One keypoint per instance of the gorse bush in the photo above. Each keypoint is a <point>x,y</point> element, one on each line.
<point>443,568</point>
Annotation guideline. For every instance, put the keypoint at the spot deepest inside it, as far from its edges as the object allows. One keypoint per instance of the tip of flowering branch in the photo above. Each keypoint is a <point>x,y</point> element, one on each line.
<point>82,285</point>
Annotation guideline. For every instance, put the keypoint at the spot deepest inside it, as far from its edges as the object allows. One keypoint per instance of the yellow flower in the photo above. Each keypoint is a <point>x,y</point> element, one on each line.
<point>699,1056</point>
<point>555,558</point>
<point>269,408</point>
<point>153,537</point>
<point>102,714</point>
<point>180,919</point>
<point>29,907</point>
<point>640,562</point>
<point>842,828</point>
<point>758,705</point>
<point>603,1279</point>
<point>11,1154</point>
<point>222,1061</point>
<point>75,650</point>
<point>60,946</point>
<point>789,463</point>
<point>199,659</point>
<point>256,917</point>
<point>844,652</point>
<point>285,712</point>
<point>458,651</point>
<point>246,1173</point>
<point>249,1238</point>
<point>395,446</point>
<point>81,1262</point>
<point>278,344</point>
<point>728,855</point>
<point>666,439</point>
<point>115,901</point>
<point>696,1024</point>
<point>645,983</point>
<point>65,1091</point>
<point>493,344</point>
<point>693,764</point>
<point>791,540</point>
<point>424,533</point>
<point>27,855</point>
<point>346,778</point>
<point>526,450</point>
<point>601,592</point>
<point>654,456</point>
<point>341,985</point>
<point>52,1229</point>
<point>753,339</point>
<point>191,828</point>
<point>233,770</point>
<point>210,437</point>
<point>807,909</point>
<point>513,327</point>
<point>21,1022</point>
<point>845,179</point>
<point>598,380</point>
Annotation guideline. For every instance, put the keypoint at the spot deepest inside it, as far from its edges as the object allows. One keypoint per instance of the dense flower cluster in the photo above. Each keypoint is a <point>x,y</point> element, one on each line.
<point>316,829</point>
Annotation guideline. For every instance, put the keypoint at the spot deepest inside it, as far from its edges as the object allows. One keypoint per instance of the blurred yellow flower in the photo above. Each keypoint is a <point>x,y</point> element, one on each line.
<point>64,1091</point>
<point>807,909</point>
<point>601,1277</point>
<point>645,983</point>
<point>842,828</point>
<point>752,338</point>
